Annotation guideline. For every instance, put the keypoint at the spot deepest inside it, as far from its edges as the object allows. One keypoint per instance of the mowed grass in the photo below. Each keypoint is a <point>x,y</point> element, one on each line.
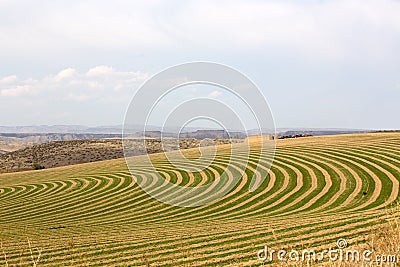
<point>318,190</point>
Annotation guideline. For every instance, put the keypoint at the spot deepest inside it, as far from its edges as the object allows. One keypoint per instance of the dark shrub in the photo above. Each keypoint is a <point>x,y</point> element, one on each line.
<point>36,166</point>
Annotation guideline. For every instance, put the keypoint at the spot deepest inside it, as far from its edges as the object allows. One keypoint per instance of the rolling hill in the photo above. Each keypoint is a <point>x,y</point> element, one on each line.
<point>63,153</point>
<point>319,189</point>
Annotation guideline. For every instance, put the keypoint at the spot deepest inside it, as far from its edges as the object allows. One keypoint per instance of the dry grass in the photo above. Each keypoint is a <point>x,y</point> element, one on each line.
<point>28,254</point>
<point>383,242</point>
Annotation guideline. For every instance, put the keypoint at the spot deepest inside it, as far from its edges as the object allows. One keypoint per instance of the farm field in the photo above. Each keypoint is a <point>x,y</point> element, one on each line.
<point>319,189</point>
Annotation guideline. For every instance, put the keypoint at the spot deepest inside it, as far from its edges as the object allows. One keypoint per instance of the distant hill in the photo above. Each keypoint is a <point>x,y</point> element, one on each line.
<point>197,134</point>
<point>13,138</point>
<point>135,129</point>
<point>60,129</point>
<point>49,137</point>
<point>81,129</point>
<point>15,141</point>
<point>62,153</point>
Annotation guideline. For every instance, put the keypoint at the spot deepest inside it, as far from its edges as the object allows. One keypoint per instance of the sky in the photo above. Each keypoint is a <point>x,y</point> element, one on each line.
<point>320,64</point>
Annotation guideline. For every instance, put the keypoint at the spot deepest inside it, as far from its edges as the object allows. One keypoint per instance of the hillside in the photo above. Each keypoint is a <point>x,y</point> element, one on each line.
<point>319,190</point>
<point>15,141</point>
<point>62,153</point>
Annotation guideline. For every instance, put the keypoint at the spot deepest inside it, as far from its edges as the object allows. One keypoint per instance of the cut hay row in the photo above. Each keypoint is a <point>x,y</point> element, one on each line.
<point>238,236</point>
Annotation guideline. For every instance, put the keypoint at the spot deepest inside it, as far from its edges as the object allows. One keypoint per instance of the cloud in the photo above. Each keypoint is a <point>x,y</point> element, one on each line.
<point>67,73</point>
<point>319,29</point>
<point>214,94</point>
<point>9,79</point>
<point>294,47</point>
<point>16,91</point>
<point>100,71</point>
<point>69,84</point>
<point>69,96</point>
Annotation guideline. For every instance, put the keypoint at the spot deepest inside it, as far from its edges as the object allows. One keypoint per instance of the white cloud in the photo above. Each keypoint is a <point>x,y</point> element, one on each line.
<point>16,91</point>
<point>9,79</point>
<point>214,94</point>
<point>69,84</point>
<point>93,85</point>
<point>67,73</point>
<point>319,29</point>
<point>333,30</point>
<point>100,71</point>
<point>340,44</point>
